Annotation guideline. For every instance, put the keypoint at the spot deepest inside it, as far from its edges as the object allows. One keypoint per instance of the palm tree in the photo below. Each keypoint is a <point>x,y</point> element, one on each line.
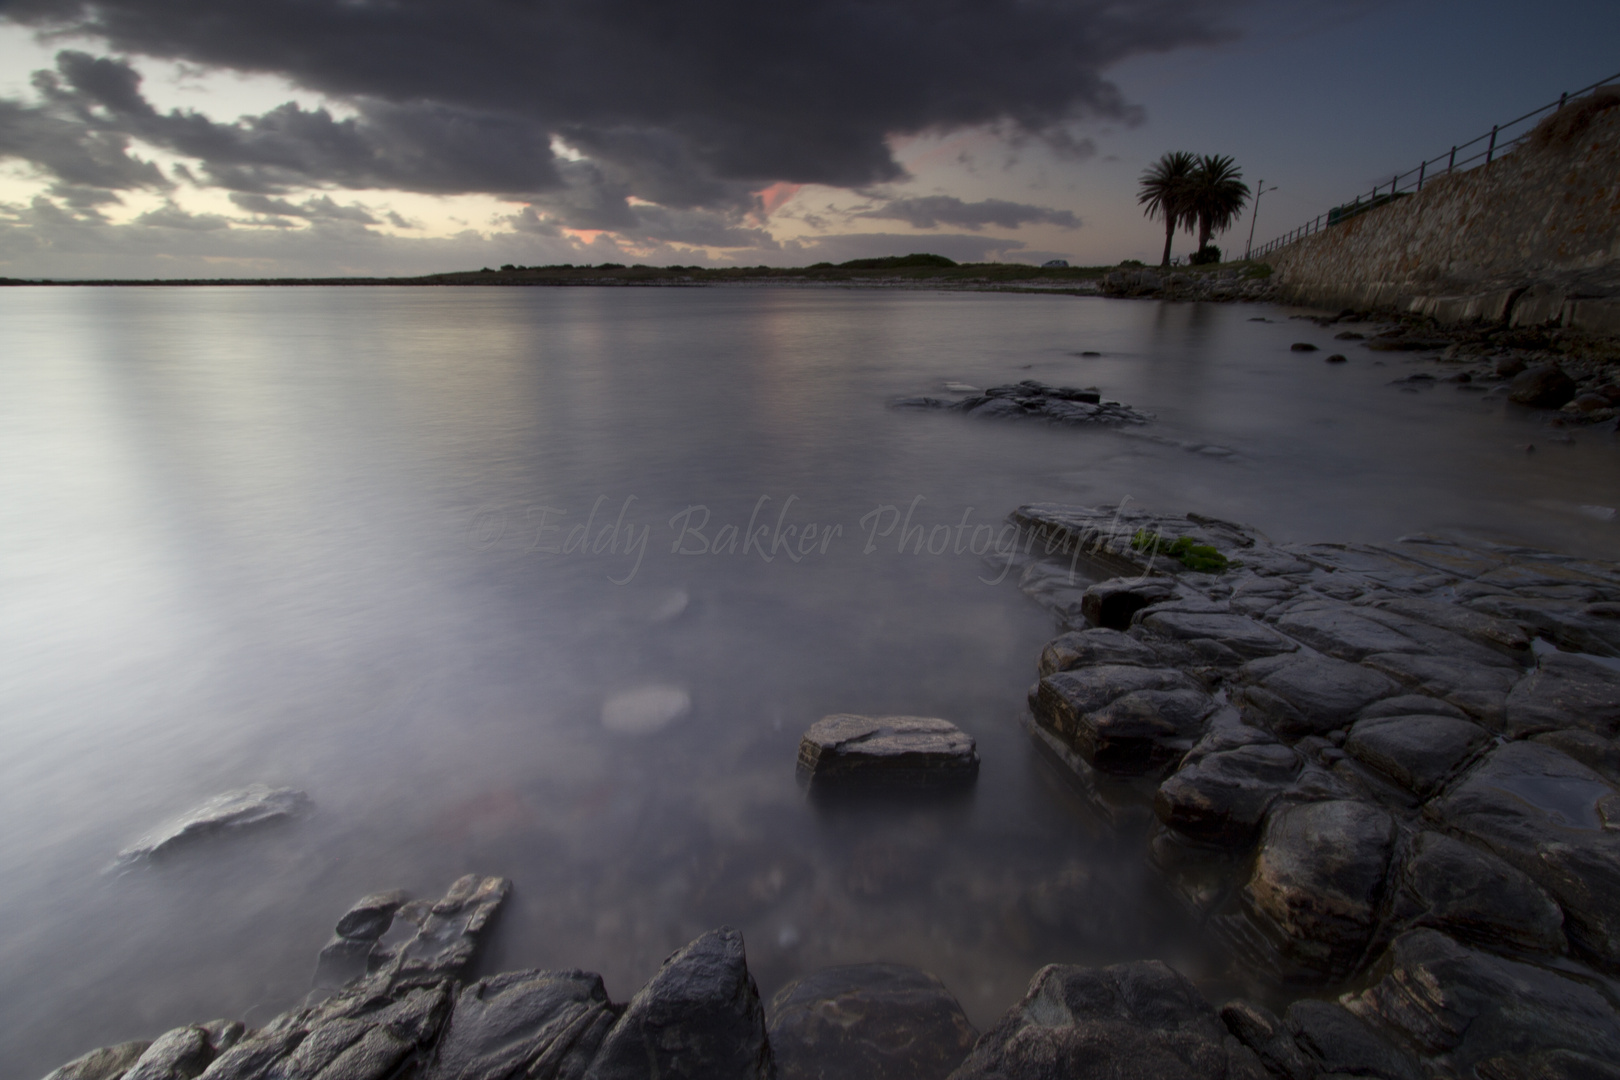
<point>1165,191</point>
<point>1218,196</point>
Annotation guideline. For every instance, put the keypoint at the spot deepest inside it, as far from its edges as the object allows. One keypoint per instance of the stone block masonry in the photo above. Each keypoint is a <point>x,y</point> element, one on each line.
<point>1532,239</point>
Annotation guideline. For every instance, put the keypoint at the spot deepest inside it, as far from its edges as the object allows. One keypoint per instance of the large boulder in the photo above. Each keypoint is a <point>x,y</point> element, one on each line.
<point>524,1023</point>
<point>447,934</point>
<point>1462,1006</point>
<point>877,1021</point>
<point>1420,753</point>
<point>1473,896</point>
<point>1264,1033</point>
<point>1566,690</point>
<point>1138,1021</point>
<point>1113,603</point>
<point>700,1018</point>
<point>1123,719</point>
<point>1557,821</point>
<point>913,751</point>
<point>1301,695</point>
<point>1312,898</point>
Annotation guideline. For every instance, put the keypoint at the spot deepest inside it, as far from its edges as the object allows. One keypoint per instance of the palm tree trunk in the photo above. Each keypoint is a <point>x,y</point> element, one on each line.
<point>1169,236</point>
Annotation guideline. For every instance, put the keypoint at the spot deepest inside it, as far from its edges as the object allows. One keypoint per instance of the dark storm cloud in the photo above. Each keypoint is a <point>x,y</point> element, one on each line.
<point>679,103</point>
<point>930,211</point>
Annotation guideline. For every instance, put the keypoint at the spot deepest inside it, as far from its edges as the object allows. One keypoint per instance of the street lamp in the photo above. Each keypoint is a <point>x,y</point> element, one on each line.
<point>1255,214</point>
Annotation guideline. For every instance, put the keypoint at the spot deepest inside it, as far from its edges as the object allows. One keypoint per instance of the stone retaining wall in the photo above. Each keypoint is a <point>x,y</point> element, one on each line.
<point>1533,239</point>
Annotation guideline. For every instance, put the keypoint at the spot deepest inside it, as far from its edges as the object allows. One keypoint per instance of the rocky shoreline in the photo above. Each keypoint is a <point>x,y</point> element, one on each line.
<point>1385,776</point>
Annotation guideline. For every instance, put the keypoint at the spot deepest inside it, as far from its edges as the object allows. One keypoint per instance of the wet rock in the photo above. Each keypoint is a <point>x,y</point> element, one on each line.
<point>1261,1031</point>
<point>1411,705</point>
<point>1420,753</point>
<point>234,810</point>
<point>105,1063</point>
<point>1034,400</point>
<point>1546,1065</point>
<point>1123,718</point>
<point>1338,358</point>
<point>1566,690</point>
<point>344,956</point>
<point>1463,1006</point>
<point>1085,648</point>
<point>1543,387</point>
<point>1555,820</point>
<point>1302,346</point>
<point>447,938</point>
<point>905,750</point>
<point>1479,691</point>
<point>1595,752</point>
<point>181,1054</point>
<point>1473,896</point>
<point>1340,1042</point>
<point>1223,797</point>
<point>524,1023</point>
<point>1488,630</point>
<point>700,1018</point>
<point>877,1021</point>
<point>1139,1021</point>
<point>1242,635</point>
<point>1307,694</point>
<point>1314,891</point>
<point>251,1058</point>
<point>1353,633</point>
<point>1113,603</point>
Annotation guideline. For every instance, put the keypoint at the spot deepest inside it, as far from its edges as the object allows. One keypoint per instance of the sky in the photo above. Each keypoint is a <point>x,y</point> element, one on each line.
<point>292,138</point>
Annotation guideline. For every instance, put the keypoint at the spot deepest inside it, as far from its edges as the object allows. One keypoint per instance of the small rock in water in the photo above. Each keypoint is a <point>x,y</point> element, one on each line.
<point>1338,358</point>
<point>1302,346</point>
<point>909,750</point>
<point>252,805</point>
<point>644,711</point>
<point>961,388</point>
<point>1091,352</point>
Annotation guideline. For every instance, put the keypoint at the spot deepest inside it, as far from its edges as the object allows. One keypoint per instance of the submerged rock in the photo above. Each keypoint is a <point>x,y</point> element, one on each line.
<point>1032,399</point>
<point>844,749</point>
<point>873,1021</point>
<point>700,1018</point>
<point>1138,1021</point>
<point>253,805</point>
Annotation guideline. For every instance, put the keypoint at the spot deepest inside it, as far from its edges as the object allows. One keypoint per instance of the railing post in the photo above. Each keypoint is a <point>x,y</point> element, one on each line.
<point>1561,99</point>
<point>1421,169</point>
<point>1393,184</point>
<point>1490,151</point>
<point>1453,164</point>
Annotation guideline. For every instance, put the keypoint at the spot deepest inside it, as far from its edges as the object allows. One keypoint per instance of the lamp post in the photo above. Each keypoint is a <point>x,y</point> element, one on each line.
<point>1254,215</point>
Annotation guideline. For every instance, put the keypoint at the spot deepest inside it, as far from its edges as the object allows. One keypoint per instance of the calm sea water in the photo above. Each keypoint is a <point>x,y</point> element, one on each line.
<point>406,549</point>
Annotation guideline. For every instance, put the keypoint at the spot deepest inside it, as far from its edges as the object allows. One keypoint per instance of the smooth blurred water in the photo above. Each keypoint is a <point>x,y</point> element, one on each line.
<point>300,536</point>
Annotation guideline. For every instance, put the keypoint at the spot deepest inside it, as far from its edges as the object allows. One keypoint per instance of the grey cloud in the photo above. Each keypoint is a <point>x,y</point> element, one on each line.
<point>681,101</point>
<point>320,208</point>
<point>170,216</point>
<point>931,211</point>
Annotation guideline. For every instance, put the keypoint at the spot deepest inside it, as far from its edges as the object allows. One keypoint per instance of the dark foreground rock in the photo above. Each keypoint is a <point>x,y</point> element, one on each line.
<point>1032,400</point>
<point>876,1021</point>
<point>1141,1020</point>
<point>909,751</point>
<point>253,805</point>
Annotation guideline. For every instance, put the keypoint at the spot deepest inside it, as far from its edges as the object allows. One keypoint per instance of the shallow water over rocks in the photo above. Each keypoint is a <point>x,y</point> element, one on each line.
<point>401,548</point>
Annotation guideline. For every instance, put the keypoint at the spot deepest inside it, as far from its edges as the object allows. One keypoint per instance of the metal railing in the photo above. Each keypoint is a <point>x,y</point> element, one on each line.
<point>1408,183</point>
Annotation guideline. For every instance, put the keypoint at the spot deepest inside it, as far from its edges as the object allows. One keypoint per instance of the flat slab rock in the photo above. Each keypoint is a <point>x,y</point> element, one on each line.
<point>872,1021</point>
<point>845,749</point>
<point>253,805</point>
<point>1034,400</point>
